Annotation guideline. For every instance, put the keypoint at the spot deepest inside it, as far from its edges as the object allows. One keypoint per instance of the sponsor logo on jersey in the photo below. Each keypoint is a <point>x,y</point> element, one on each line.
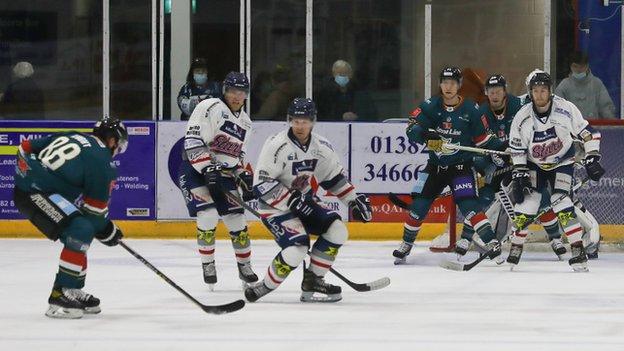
<point>222,144</point>
<point>292,156</point>
<point>234,130</point>
<point>463,187</point>
<point>563,112</point>
<point>416,112</point>
<point>544,150</point>
<point>304,166</point>
<point>137,212</point>
<point>191,143</point>
<point>547,134</point>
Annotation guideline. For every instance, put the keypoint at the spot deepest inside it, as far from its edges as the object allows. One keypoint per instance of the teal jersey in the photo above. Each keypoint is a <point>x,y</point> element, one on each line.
<point>499,124</point>
<point>461,125</point>
<point>77,166</point>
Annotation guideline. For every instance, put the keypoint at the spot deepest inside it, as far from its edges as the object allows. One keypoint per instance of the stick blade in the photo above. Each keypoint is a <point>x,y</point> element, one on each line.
<point>222,309</point>
<point>379,283</point>
<point>453,266</point>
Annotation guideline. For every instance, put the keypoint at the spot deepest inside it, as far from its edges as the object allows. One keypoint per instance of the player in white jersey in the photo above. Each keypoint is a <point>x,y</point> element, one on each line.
<point>287,164</point>
<point>216,136</point>
<point>541,142</point>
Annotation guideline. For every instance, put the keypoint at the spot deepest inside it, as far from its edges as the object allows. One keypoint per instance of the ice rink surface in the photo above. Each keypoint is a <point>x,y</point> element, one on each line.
<point>542,305</point>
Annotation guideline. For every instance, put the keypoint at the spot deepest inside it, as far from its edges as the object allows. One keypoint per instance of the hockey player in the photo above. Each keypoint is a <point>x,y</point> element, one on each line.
<point>500,109</point>
<point>62,186</point>
<point>216,137</point>
<point>282,182</point>
<point>541,142</point>
<point>451,119</point>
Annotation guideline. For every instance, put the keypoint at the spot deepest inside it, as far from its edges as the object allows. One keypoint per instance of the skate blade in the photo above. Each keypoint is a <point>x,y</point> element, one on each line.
<point>92,310</point>
<point>308,296</point>
<point>55,311</point>
<point>499,260</point>
<point>210,287</point>
<point>399,261</point>
<point>512,266</point>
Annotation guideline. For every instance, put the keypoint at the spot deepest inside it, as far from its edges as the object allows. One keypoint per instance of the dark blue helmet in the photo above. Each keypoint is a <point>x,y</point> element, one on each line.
<point>236,80</point>
<point>496,80</point>
<point>451,73</point>
<point>109,127</point>
<point>302,107</point>
<point>540,78</point>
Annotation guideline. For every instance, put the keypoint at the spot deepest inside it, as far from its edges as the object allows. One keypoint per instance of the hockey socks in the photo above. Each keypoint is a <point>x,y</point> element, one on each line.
<point>241,245</point>
<point>206,244</point>
<point>72,269</point>
<point>322,256</point>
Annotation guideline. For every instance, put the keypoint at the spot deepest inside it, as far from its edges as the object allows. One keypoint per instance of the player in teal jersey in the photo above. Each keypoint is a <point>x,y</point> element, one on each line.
<point>500,109</point>
<point>447,118</point>
<point>62,186</point>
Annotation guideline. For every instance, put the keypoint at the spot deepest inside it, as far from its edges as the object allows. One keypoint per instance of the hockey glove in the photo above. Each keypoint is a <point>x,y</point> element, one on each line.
<point>434,142</point>
<point>245,181</point>
<point>212,176</point>
<point>361,208</point>
<point>521,184</point>
<point>301,205</point>
<point>593,167</point>
<point>110,236</point>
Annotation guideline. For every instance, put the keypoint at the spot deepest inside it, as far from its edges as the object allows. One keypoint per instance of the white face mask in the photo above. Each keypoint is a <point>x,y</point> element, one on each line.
<point>580,75</point>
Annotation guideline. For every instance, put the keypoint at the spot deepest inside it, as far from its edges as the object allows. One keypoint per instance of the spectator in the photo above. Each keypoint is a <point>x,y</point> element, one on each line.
<point>585,90</point>
<point>341,99</point>
<point>197,88</point>
<point>23,98</point>
<point>276,103</point>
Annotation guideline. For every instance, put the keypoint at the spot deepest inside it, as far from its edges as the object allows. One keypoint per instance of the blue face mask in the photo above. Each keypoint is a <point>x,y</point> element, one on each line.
<point>341,80</point>
<point>200,78</point>
<point>579,75</point>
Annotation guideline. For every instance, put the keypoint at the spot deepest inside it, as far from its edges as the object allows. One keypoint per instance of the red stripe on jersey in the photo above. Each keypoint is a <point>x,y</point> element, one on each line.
<point>481,138</point>
<point>476,219</point>
<point>413,222</point>
<point>272,278</point>
<point>416,112</point>
<point>346,191</point>
<point>280,199</point>
<point>207,158</point>
<point>320,264</point>
<point>26,146</point>
<point>243,255</point>
<point>484,122</point>
<point>96,203</point>
<point>77,258</point>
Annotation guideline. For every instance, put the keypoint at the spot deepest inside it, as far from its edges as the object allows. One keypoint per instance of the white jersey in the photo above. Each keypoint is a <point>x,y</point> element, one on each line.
<point>285,164</point>
<point>215,134</point>
<point>548,142</point>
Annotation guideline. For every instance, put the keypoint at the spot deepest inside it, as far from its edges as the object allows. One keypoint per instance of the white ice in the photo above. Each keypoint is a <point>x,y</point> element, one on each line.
<point>542,305</point>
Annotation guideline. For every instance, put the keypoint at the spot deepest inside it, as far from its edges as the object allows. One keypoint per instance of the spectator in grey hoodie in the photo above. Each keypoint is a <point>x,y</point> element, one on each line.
<point>585,90</point>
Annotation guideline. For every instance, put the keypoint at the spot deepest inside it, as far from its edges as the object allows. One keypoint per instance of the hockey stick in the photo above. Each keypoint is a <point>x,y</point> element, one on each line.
<point>361,287</point>
<point>477,150</point>
<point>458,266</point>
<point>216,309</point>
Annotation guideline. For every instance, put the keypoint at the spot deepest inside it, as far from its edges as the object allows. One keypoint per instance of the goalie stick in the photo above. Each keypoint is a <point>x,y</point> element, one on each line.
<point>458,266</point>
<point>212,309</point>
<point>360,287</point>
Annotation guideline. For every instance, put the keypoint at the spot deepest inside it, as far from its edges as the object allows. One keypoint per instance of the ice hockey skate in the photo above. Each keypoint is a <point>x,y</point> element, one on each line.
<point>402,252</point>
<point>579,258</point>
<point>462,246</point>
<point>514,255</point>
<point>246,274</point>
<point>558,248</point>
<point>64,304</point>
<point>312,284</point>
<point>255,291</point>
<point>210,274</point>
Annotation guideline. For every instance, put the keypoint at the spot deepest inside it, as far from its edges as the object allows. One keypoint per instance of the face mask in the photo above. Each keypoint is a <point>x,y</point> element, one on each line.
<point>341,80</point>
<point>200,78</point>
<point>579,75</point>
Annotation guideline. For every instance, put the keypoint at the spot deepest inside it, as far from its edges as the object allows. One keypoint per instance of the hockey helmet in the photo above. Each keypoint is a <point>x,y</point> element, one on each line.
<point>301,107</point>
<point>451,73</point>
<point>109,127</point>
<point>540,78</point>
<point>496,80</point>
<point>236,80</point>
